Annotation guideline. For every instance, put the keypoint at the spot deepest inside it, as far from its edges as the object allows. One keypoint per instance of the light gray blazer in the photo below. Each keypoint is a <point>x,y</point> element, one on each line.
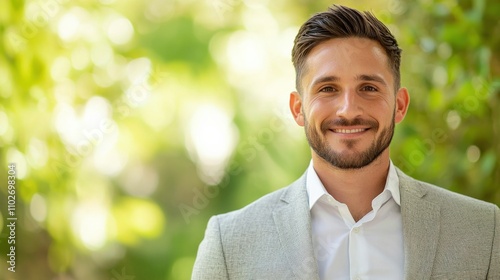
<point>446,236</point>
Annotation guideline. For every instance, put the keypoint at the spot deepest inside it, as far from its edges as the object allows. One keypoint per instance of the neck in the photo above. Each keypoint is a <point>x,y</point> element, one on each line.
<point>354,187</point>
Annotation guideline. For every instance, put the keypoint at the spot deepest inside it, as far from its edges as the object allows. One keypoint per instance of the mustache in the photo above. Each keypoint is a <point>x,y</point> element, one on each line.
<point>345,122</point>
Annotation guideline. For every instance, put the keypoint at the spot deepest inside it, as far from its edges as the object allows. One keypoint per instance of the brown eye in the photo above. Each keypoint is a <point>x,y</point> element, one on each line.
<point>326,89</point>
<point>369,88</point>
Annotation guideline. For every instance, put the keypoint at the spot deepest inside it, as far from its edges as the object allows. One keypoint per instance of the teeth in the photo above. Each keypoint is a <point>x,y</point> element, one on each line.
<point>349,130</point>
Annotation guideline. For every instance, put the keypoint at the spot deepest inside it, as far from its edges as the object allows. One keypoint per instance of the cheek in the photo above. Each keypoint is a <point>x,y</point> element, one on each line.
<point>384,110</point>
<point>319,110</point>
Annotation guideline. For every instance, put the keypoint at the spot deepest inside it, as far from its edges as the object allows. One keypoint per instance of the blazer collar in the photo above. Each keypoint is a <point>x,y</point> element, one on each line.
<point>421,227</point>
<point>293,223</point>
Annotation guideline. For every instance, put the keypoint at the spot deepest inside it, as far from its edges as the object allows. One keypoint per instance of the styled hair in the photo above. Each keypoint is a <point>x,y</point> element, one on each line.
<point>343,22</point>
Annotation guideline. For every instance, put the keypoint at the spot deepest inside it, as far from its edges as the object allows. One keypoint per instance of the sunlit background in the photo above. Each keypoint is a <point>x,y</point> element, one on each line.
<point>132,122</point>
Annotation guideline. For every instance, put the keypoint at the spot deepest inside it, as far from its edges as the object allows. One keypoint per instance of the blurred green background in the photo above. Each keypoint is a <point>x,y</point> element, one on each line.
<point>132,122</point>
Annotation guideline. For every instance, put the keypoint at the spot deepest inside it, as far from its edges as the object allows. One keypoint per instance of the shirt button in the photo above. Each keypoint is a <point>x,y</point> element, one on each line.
<point>356,230</point>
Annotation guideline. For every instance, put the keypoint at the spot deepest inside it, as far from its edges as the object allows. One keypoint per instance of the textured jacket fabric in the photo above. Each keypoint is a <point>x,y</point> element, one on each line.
<point>446,236</point>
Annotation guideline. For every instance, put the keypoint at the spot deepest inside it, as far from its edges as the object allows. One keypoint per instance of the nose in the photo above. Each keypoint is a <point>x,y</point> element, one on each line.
<point>349,106</point>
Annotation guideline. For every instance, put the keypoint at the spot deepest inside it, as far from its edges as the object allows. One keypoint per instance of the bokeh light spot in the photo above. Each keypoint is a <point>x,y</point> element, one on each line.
<point>473,153</point>
<point>120,31</point>
<point>211,140</point>
<point>89,223</point>
<point>38,208</point>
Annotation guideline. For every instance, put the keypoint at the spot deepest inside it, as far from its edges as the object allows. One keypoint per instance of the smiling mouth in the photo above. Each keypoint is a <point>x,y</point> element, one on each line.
<point>350,131</point>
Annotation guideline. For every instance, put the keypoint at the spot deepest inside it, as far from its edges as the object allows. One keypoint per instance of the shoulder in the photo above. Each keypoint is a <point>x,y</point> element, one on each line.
<point>261,210</point>
<point>259,207</point>
<point>445,198</point>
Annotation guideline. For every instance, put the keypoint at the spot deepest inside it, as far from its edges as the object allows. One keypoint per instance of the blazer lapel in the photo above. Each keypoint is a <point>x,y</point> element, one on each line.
<point>293,223</point>
<point>420,228</point>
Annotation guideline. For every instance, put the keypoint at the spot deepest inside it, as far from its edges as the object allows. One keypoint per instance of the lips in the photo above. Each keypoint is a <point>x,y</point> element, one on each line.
<point>349,131</point>
<point>342,125</point>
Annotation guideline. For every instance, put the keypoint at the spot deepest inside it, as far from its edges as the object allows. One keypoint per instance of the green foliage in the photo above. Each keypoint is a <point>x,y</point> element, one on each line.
<point>132,122</point>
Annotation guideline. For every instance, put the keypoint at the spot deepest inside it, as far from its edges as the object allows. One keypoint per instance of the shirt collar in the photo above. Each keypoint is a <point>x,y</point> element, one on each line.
<point>316,190</point>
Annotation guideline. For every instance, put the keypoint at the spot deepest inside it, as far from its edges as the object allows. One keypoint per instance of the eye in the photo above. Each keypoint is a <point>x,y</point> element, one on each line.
<point>327,89</point>
<point>369,88</point>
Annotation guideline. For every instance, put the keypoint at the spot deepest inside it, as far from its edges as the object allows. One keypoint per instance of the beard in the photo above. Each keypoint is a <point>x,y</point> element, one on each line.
<point>354,159</point>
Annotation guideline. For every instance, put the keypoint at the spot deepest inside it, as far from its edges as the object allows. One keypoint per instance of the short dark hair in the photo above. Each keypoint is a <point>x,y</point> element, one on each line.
<point>343,22</point>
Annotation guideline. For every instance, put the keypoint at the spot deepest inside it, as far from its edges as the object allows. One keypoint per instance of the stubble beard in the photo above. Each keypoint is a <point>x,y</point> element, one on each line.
<point>349,159</point>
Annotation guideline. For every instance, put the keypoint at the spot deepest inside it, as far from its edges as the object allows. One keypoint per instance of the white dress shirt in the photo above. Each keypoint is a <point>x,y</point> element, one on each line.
<point>371,248</point>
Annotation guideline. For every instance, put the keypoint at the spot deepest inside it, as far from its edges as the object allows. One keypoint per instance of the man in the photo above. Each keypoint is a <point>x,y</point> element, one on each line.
<point>353,214</point>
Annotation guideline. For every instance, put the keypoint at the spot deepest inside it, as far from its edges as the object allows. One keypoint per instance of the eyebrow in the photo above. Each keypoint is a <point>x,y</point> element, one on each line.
<point>325,79</point>
<point>333,79</point>
<point>371,78</point>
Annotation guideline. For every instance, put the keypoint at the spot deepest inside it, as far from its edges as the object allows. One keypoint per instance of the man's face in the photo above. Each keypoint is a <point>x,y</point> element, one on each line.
<point>348,105</point>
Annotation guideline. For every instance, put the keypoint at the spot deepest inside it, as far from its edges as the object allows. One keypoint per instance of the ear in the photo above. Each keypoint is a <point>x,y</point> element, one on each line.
<point>296,108</point>
<point>402,103</point>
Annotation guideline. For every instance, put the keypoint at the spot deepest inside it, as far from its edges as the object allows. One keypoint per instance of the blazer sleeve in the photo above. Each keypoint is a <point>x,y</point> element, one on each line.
<point>494,271</point>
<point>210,261</point>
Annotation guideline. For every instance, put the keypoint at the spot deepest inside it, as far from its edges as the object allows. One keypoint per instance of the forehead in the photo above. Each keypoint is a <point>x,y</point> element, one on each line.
<point>347,58</point>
